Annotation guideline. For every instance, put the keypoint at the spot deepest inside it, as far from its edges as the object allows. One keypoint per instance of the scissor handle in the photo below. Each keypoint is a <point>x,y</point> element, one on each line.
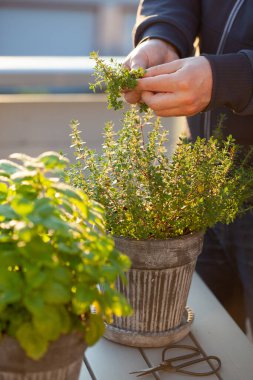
<point>179,367</point>
<point>195,352</point>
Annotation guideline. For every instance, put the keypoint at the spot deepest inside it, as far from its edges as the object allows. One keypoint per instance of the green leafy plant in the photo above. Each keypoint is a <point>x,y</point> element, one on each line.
<point>115,78</point>
<point>54,251</point>
<point>148,195</point>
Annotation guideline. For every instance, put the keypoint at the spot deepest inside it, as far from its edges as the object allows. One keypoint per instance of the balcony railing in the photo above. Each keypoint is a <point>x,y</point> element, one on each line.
<point>40,95</point>
<point>46,74</point>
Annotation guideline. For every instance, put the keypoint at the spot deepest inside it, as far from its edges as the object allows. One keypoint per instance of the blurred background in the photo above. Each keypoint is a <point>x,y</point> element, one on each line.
<point>45,70</point>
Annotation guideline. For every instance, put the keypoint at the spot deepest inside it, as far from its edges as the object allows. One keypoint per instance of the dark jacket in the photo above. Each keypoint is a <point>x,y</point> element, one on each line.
<point>225,31</point>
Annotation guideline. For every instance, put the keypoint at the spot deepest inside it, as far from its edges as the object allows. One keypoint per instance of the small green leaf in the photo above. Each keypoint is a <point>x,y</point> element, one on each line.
<point>8,255</point>
<point>53,160</point>
<point>35,275</point>
<point>7,212</point>
<point>94,329</point>
<point>3,191</point>
<point>7,168</point>
<point>22,157</point>
<point>62,274</point>
<point>86,295</point>
<point>16,320</point>
<point>34,302</point>
<point>66,323</point>
<point>11,286</point>
<point>67,190</point>
<point>31,341</point>
<point>120,306</point>
<point>48,322</point>
<point>22,206</point>
<point>56,293</point>
<point>22,176</point>
<point>38,252</point>
<point>8,296</point>
<point>44,206</point>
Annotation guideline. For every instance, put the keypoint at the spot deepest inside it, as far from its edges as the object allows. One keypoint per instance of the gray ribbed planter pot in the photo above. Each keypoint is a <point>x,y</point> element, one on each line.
<point>62,361</point>
<point>157,288</point>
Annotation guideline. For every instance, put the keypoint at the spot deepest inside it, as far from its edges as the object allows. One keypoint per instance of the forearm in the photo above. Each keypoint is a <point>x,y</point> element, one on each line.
<point>176,22</point>
<point>232,81</point>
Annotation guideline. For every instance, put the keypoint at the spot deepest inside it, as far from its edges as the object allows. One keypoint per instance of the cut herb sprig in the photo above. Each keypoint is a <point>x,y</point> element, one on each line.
<point>115,78</point>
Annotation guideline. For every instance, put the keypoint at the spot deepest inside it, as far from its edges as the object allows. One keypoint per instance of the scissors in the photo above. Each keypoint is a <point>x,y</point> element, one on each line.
<point>171,365</point>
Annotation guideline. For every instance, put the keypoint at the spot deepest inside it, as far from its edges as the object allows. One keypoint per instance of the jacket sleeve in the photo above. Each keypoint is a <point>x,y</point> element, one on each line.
<point>232,81</point>
<point>175,21</point>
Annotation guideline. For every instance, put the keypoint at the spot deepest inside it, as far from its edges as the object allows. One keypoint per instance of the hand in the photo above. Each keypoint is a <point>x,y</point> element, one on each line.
<point>147,54</point>
<point>179,88</point>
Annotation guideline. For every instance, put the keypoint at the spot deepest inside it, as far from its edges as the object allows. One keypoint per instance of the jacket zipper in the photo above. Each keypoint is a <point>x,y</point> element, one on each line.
<point>226,31</point>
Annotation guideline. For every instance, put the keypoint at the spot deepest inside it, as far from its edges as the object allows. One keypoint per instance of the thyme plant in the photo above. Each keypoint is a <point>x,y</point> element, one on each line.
<point>147,195</point>
<point>115,78</point>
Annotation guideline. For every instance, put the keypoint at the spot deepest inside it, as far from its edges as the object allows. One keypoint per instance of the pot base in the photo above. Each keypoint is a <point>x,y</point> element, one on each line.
<point>160,339</point>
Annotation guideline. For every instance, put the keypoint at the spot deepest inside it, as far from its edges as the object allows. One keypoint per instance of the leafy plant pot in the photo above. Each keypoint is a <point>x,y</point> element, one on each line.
<point>61,362</point>
<point>157,288</point>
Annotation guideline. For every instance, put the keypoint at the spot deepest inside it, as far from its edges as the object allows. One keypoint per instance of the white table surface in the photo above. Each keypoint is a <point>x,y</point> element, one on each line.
<point>213,331</point>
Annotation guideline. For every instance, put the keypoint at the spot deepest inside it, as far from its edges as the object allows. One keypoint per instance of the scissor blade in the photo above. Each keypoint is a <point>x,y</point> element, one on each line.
<point>147,371</point>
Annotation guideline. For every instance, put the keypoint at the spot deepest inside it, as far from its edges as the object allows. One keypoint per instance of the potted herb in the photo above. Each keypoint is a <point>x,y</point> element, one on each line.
<point>53,253</point>
<point>157,208</point>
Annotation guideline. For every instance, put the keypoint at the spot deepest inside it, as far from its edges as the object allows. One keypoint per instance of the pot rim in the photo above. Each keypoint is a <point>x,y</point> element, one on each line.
<point>181,237</point>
